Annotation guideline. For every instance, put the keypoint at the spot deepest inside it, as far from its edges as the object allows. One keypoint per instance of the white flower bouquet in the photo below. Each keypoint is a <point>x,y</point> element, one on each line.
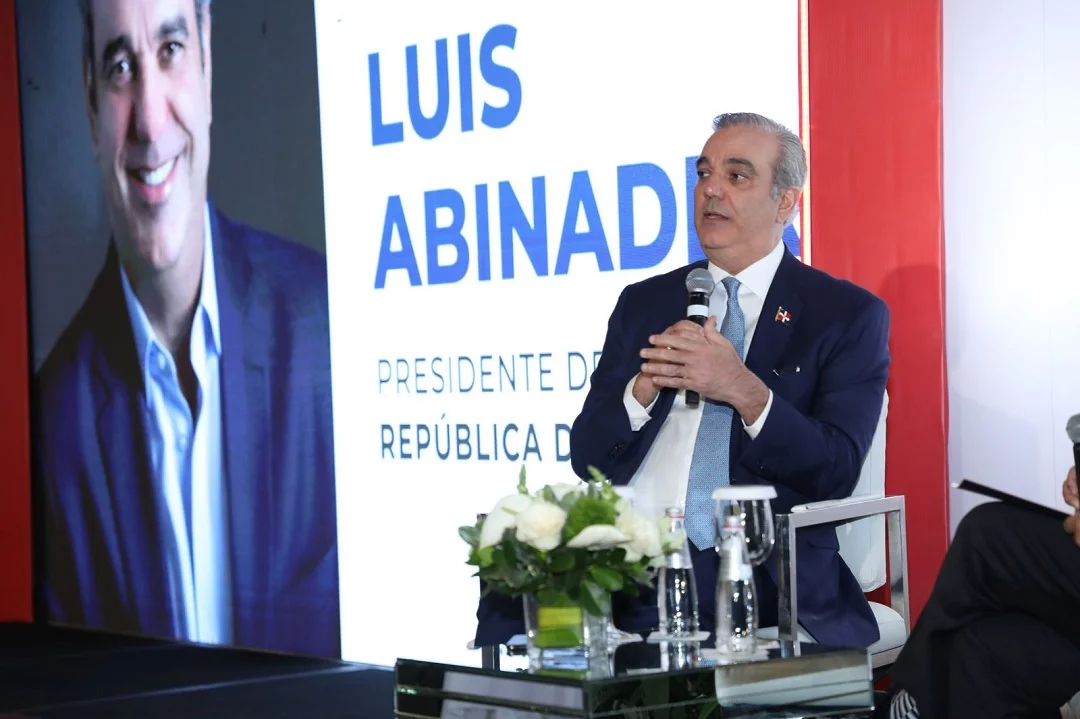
<point>567,545</point>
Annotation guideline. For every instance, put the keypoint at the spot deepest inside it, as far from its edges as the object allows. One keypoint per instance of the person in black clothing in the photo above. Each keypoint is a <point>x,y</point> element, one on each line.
<point>1000,634</point>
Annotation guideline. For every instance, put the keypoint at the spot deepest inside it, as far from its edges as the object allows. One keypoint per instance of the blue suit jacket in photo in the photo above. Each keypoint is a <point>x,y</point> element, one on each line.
<point>104,549</point>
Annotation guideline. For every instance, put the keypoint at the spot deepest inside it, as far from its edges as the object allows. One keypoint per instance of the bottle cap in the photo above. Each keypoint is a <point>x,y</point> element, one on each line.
<point>674,513</point>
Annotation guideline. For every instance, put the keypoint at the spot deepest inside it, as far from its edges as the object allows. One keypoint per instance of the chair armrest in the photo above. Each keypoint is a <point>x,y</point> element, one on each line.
<point>838,512</point>
<point>841,510</point>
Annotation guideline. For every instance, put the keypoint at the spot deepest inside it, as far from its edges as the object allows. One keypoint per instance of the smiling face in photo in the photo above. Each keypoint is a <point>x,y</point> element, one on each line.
<point>148,91</point>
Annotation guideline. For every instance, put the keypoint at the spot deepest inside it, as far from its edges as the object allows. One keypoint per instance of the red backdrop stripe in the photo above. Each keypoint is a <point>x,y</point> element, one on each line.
<point>15,552</point>
<point>876,174</point>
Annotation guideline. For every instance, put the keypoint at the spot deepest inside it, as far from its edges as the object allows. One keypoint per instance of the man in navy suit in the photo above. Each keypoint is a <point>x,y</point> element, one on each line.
<point>802,398</point>
<point>796,408</point>
<point>185,421</point>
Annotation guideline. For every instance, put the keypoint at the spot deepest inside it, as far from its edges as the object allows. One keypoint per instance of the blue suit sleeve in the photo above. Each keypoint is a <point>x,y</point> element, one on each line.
<point>61,602</point>
<point>820,454</point>
<point>601,436</point>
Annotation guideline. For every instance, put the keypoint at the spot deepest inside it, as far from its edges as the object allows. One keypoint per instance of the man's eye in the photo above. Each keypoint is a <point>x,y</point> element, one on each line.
<point>119,70</point>
<point>170,50</point>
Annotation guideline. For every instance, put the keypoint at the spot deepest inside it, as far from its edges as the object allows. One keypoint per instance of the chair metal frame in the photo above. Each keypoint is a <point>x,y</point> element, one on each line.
<point>842,512</point>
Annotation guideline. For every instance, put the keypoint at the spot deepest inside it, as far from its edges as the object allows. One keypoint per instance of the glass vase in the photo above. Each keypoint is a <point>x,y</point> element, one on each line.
<point>565,638</point>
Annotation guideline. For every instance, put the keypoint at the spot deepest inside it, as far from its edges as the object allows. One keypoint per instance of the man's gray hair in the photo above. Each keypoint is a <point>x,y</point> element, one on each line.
<point>86,10</point>
<point>789,170</point>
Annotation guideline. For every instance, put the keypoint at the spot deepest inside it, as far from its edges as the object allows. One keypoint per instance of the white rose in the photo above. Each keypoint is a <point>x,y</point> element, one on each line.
<point>598,536</point>
<point>561,490</point>
<point>540,525</point>
<point>644,535</point>
<point>501,518</point>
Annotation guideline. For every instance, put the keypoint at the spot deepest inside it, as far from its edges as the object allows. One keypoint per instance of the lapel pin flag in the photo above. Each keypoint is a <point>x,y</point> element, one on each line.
<point>782,315</point>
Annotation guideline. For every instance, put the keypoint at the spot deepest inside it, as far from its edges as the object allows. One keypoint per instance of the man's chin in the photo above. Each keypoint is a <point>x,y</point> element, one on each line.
<point>158,235</point>
<point>717,241</point>
<point>156,253</point>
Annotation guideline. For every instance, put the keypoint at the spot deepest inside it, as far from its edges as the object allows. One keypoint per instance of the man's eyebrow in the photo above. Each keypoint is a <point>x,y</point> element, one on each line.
<point>702,161</point>
<point>177,27</point>
<point>173,28</point>
<point>741,162</point>
<point>116,46</point>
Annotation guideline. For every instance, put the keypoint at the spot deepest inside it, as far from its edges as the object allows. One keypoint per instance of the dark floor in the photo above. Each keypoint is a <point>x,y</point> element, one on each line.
<point>53,672</point>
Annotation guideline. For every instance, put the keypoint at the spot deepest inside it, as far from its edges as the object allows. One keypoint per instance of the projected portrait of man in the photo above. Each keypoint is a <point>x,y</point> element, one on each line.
<point>185,438</point>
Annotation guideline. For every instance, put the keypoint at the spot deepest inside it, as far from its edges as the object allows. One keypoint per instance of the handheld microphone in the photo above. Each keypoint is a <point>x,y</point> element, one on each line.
<point>699,287</point>
<point>1072,428</point>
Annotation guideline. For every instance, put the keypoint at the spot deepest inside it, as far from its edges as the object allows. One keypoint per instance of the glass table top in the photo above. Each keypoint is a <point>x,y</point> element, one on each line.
<point>644,679</point>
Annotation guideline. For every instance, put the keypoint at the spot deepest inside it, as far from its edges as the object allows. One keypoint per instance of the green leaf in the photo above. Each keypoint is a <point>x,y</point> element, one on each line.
<point>485,557</point>
<point>521,487</point>
<point>502,560</point>
<point>569,500</point>
<point>595,599</point>
<point>471,535</point>
<point>607,578</point>
<point>590,605</point>
<point>575,577</point>
<point>586,512</point>
<point>522,552</point>
<point>637,574</point>
<point>631,589</point>
<point>597,475</point>
<point>562,562</point>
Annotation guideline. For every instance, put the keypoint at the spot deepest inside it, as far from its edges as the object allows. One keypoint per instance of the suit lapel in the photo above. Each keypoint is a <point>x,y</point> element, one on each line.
<point>122,486</point>
<point>779,316</point>
<point>772,334</point>
<point>245,419</point>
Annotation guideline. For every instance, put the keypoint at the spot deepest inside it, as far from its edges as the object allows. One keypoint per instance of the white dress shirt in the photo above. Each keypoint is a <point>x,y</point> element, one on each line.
<point>661,480</point>
<point>186,462</point>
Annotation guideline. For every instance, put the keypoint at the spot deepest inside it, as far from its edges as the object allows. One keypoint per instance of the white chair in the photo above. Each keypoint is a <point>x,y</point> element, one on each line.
<point>862,537</point>
<point>1072,709</point>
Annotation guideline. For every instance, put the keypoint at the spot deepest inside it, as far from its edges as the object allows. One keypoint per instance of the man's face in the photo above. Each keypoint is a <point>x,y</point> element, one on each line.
<point>150,123</point>
<point>733,201</point>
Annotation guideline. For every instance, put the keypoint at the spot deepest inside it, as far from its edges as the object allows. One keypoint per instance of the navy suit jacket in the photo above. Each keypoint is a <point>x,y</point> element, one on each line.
<point>103,544</point>
<point>827,367</point>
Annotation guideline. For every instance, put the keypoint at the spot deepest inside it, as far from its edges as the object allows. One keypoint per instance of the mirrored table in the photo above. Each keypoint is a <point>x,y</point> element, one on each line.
<point>640,679</point>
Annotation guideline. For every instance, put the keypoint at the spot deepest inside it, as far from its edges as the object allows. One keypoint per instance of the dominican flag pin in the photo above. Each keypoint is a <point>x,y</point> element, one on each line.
<point>782,315</point>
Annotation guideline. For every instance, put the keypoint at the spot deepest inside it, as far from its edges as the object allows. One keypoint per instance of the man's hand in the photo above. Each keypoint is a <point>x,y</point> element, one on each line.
<point>1072,526</point>
<point>687,356</point>
<point>1069,490</point>
<point>645,390</point>
<point>645,386</point>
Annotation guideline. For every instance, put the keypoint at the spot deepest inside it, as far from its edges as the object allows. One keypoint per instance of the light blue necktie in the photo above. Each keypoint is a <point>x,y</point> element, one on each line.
<point>709,467</point>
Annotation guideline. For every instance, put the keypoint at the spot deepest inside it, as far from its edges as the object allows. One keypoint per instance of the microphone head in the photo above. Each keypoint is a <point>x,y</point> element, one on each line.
<point>1072,428</point>
<point>700,281</point>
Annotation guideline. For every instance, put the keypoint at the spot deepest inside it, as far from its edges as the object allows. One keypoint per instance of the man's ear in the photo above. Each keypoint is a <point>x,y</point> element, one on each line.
<point>789,198</point>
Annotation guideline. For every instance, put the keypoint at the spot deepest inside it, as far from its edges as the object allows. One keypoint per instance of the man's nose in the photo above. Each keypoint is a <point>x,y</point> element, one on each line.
<point>712,186</point>
<point>150,111</point>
